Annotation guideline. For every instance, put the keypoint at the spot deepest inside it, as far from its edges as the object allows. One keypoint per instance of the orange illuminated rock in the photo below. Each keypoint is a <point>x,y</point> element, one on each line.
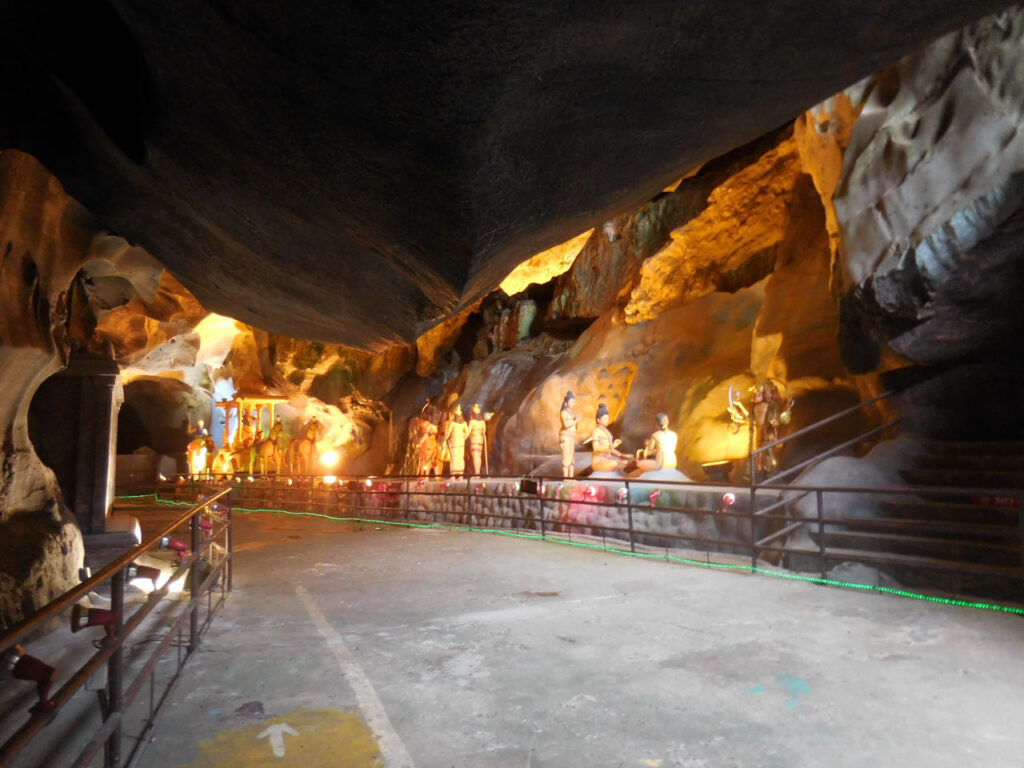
<point>733,240</point>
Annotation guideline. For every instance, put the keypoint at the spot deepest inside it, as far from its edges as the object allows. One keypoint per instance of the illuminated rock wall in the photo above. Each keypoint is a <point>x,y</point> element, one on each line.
<point>45,239</point>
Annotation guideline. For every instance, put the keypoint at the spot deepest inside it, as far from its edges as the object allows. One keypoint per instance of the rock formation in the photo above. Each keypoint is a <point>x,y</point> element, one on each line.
<point>386,159</point>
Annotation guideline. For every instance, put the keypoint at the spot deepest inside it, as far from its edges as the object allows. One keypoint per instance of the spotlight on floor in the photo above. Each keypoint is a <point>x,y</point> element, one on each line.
<point>82,617</point>
<point>145,572</point>
<point>718,471</point>
<point>176,545</point>
<point>15,664</point>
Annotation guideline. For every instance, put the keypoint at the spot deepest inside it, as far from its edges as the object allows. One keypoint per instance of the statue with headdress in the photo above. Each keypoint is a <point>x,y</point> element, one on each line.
<point>659,451</point>
<point>568,419</point>
<point>456,432</point>
<point>606,455</point>
<point>478,438</point>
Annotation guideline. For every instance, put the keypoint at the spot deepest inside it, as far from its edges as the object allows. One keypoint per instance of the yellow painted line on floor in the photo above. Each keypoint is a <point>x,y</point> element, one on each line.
<point>391,746</point>
<point>305,738</point>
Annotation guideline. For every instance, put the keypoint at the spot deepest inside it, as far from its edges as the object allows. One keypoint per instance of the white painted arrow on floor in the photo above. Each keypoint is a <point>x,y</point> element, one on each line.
<point>276,735</point>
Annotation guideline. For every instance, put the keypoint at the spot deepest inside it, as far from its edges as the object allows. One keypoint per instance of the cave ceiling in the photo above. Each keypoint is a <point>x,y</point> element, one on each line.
<point>355,172</point>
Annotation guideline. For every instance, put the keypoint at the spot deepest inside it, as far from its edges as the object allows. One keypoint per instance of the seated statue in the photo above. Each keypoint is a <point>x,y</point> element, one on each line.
<point>606,456</point>
<point>659,452</point>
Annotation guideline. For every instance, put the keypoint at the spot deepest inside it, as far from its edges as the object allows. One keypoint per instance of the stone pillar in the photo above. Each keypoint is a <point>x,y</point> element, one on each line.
<point>73,425</point>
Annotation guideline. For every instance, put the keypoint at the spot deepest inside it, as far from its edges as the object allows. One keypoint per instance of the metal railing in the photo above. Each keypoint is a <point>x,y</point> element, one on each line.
<point>788,526</point>
<point>206,565</point>
<point>754,453</point>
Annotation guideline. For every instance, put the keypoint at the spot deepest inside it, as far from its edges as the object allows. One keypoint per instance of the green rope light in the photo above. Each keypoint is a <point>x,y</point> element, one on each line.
<point>613,550</point>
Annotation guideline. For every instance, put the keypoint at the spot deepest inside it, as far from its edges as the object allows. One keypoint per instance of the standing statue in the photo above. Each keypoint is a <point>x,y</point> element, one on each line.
<point>478,438</point>
<point>659,451</point>
<point>606,456</point>
<point>269,450</point>
<point>196,453</point>
<point>568,419</point>
<point>246,427</point>
<point>770,410</point>
<point>302,452</point>
<point>455,433</point>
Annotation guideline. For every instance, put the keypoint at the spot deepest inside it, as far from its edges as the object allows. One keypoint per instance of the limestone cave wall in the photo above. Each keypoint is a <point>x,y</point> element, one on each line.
<point>871,242</point>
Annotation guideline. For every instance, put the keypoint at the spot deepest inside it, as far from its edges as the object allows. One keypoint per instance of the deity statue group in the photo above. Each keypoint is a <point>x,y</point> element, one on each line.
<point>658,451</point>
<point>437,445</point>
<point>441,440</point>
<point>251,452</point>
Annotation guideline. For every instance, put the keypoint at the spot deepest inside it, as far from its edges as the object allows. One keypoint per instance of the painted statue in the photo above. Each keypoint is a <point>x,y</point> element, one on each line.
<point>659,451</point>
<point>302,452</point>
<point>770,410</point>
<point>246,427</point>
<point>568,419</point>
<point>456,432</point>
<point>196,452</point>
<point>268,451</point>
<point>478,438</point>
<point>606,455</point>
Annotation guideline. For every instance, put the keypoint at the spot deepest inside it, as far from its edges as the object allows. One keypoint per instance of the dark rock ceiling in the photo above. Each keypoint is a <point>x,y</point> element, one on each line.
<point>353,172</point>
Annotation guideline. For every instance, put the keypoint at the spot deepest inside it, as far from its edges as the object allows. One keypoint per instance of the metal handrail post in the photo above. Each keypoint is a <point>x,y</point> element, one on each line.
<point>542,519</point>
<point>408,501</point>
<point>193,585</point>
<point>1020,528</point>
<point>629,515</point>
<point>115,672</point>
<point>541,490</point>
<point>753,495</point>
<point>821,532</point>
<point>229,545</point>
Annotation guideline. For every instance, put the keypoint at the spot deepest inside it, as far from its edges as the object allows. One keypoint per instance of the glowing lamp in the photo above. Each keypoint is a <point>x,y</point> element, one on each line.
<point>654,495</point>
<point>590,491</point>
<point>621,495</point>
<point>82,617</point>
<point>249,478</point>
<point>289,481</point>
<point>330,459</point>
<point>143,572</point>
<point>163,478</point>
<point>369,483</point>
<point>728,499</point>
<point>446,485</point>
<point>15,664</point>
<point>330,480</point>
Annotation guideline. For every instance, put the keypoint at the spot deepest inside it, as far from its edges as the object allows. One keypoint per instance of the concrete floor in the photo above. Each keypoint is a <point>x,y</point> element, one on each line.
<point>433,648</point>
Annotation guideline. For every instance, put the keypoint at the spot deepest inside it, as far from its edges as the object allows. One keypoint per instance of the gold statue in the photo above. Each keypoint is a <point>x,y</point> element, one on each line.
<point>659,452</point>
<point>771,408</point>
<point>196,452</point>
<point>302,452</point>
<point>568,418</point>
<point>606,456</point>
<point>455,433</point>
<point>246,427</point>
<point>478,438</point>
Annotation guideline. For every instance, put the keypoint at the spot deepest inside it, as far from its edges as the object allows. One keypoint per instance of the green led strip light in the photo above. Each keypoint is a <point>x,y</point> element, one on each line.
<point>613,550</point>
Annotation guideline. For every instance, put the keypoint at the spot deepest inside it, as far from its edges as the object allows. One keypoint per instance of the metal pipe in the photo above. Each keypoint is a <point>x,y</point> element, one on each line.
<point>73,595</point>
<point>827,420</point>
